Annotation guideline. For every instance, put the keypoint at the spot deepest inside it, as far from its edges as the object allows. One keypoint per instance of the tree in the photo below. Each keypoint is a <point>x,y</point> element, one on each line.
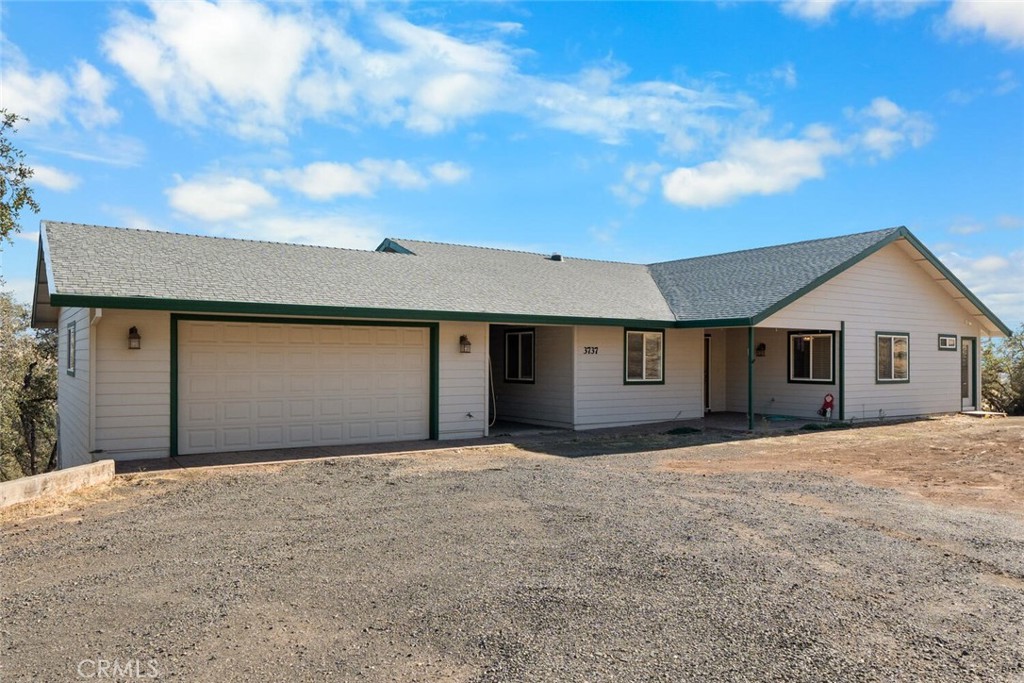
<point>1002,374</point>
<point>28,393</point>
<point>15,193</point>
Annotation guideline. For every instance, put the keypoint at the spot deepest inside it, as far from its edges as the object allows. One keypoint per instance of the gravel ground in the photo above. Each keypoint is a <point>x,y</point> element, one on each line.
<point>509,564</point>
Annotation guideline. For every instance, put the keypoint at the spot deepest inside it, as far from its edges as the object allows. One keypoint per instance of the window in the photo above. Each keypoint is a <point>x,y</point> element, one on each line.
<point>519,356</point>
<point>893,353</point>
<point>947,342</point>
<point>645,357</point>
<point>72,339</point>
<point>811,357</point>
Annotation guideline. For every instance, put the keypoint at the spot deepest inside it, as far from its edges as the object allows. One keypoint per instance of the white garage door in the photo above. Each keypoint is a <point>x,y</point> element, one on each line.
<point>247,386</point>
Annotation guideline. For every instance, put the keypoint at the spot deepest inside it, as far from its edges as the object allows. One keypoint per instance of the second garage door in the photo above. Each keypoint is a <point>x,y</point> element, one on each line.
<point>247,386</point>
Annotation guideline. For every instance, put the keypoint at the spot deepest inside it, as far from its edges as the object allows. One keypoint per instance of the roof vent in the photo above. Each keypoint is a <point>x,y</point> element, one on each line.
<point>556,257</point>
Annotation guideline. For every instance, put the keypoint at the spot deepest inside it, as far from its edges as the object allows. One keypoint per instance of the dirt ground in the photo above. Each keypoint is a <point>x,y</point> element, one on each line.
<point>889,552</point>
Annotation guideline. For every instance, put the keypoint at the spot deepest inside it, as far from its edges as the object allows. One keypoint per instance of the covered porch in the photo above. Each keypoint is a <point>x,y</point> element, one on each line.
<point>773,375</point>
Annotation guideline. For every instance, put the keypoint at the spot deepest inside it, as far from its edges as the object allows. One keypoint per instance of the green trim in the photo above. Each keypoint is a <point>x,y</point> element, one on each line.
<point>892,381</point>
<point>942,336</point>
<point>842,369</point>
<point>750,378</point>
<point>533,351</point>
<point>712,322</point>
<point>389,245</point>
<point>434,352</point>
<point>899,233</point>
<point>435,381</point>
<point>956,283</point>
<point>71,356</point>
<point>817,282</point>
<point>789,356</point>
<point>304,311</point>
<point>625,359</point>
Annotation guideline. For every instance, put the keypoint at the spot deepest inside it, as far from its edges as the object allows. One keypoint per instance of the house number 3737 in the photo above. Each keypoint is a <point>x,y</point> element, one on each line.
<point>589,350</point>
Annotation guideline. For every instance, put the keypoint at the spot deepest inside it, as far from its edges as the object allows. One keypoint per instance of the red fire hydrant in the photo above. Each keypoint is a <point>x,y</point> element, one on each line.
<point>826,408</point>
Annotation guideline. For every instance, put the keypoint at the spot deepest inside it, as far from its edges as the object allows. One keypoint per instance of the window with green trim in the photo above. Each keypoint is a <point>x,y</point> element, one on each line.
<point>893,354</point>
<point>519,356</point>
<point>645,356</point>
<point>72,336</point>
<point>811,357</point>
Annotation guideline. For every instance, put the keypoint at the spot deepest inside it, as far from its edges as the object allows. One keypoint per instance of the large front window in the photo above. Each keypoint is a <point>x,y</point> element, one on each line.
<point>893,352</point>
<point>645,356</point>
<point>811,357</point>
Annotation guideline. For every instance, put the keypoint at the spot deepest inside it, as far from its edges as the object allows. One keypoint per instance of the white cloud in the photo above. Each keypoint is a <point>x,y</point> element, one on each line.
<point>814,11</point>
<point>329,230</point>
<point>449,172</point>
<point>890,128</point>
<point>786,73</point>
<point>129,217</point>
<point>22,288</point>
<point>1006,82</point>
<point>754,166</point>
<point>259,71</point>
<point>996,279</point>
<point>1010,222</point>
<point>966,227</point>
<point>50,97</point>
<point>998,21</point>
<point>218,198</point>
<point>236,61</point>
<point>636,182</point>
<point>53,178</point>
<point>93,89</point>
<point>326,180</point>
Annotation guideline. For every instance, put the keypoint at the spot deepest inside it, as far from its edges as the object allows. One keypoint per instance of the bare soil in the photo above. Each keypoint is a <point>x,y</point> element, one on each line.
<point>891,552</point>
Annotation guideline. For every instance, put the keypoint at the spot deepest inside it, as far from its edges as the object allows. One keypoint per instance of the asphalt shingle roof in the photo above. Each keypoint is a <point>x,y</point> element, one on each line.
<point>93,261</point>
<point>743,284</point>
<point>92,266</point>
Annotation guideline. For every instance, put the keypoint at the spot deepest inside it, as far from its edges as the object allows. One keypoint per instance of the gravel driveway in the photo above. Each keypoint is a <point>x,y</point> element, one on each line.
<point>508,564</point>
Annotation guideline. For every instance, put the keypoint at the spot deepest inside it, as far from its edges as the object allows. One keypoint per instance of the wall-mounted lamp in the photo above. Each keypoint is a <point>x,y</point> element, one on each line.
<point>134,340</point>
<point>761,348</point>
<point>464,345</point>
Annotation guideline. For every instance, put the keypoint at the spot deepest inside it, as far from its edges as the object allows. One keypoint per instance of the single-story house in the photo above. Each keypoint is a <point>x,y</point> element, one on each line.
<point>173,344</point>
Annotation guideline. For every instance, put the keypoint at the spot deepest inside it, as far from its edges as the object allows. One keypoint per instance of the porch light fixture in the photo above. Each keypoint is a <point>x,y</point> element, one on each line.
<point>134,340</point>
<point>464,345</point>
<point>761,348</point>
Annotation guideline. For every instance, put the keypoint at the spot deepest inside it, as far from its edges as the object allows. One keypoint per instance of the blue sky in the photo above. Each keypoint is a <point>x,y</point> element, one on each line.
<point>634,131</point>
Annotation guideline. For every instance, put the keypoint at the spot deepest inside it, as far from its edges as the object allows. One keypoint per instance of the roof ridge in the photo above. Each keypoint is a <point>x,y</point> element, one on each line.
<point>570,257</point>
<point>880,232</point>
<point>212,237</point>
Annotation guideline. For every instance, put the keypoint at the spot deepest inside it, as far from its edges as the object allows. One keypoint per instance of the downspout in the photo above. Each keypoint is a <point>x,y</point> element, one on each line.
<point>750,378</point>
<point>842,370</point>
<point>97,316</point>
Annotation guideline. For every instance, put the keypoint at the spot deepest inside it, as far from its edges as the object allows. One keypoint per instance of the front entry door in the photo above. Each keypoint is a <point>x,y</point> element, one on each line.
<point>968,395</point>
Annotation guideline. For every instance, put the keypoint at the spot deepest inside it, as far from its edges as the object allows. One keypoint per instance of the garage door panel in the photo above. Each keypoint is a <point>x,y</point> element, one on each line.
<point>330,407</point>
<point>359,431</point>
<point>300,410</point>
<point>270,410</point>
<point>238,384</point>
<point>236,411</point>
<point>269,385</point>
<point>236,437</point>
<point>198,440</point>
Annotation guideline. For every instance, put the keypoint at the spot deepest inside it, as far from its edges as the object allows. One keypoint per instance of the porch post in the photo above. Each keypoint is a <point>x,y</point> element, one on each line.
<point>750,378</point>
